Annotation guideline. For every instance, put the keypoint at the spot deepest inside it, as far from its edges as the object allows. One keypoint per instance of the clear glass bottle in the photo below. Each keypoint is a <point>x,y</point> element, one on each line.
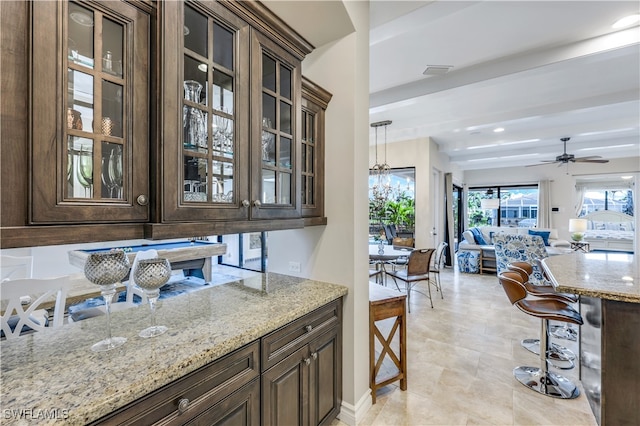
<point>194,121</point>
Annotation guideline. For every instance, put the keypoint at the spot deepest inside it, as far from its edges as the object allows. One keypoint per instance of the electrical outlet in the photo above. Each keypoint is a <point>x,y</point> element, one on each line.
<point>294,266</point>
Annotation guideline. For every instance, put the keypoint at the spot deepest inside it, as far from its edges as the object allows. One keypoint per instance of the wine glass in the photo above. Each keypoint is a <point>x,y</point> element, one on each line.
<point>86,170</point>
<point>106,269</point>
<point>114,171</point>
<point>150,275</point>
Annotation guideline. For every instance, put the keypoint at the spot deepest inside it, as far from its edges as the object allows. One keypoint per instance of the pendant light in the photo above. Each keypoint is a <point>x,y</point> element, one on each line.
<point>382,187</point>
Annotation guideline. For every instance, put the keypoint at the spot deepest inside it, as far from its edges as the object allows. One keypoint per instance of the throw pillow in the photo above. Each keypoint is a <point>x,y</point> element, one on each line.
<point>468,237</point>
<point>543,234</point>
<point>477,234</point>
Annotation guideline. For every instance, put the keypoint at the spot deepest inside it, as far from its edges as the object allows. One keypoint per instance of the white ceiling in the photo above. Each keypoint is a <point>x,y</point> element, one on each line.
<point>541,70</point>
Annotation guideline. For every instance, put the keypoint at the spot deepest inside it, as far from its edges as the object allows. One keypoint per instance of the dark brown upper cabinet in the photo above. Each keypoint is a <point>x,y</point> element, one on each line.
<point>230,116</point>
<point>89,113</point>
<point>315,100</point>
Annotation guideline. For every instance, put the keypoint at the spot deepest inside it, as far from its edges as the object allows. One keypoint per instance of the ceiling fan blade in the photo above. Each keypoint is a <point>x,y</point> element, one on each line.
<point>542,163</point>
<point>587,160</point>
<point>588,157</point>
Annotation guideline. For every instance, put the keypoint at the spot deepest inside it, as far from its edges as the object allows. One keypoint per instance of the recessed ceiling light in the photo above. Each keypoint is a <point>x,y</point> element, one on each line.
<point>626,177</point>
<point>627,21</point>
<point>437,69</point>
<point>498,129</point>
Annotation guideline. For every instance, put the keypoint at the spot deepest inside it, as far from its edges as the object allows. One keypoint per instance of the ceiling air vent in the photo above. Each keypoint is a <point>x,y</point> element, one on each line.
<point>437,69</point>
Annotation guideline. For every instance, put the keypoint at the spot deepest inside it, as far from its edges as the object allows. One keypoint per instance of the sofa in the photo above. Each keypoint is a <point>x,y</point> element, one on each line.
<point>476,253</point>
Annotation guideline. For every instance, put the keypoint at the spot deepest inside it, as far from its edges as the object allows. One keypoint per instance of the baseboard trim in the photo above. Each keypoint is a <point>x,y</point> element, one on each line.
<point>353,415</point>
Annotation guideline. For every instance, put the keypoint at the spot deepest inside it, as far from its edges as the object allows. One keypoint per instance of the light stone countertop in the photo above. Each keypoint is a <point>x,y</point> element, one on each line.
<point>56,369</point>
<point>612,276</point>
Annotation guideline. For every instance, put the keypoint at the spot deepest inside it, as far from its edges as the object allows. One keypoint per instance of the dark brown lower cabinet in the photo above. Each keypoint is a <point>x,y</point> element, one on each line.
<point>302,369</point>
<point>299,383</point>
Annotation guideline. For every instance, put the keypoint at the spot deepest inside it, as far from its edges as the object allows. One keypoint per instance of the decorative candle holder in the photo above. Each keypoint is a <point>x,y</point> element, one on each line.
<point>106,269</point>
<point>150,275</point>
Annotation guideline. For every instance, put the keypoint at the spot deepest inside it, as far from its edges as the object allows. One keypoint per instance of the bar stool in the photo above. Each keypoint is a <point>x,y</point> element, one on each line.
<point>559,356</point>
<point>564,331</point>
<point>540,379</point>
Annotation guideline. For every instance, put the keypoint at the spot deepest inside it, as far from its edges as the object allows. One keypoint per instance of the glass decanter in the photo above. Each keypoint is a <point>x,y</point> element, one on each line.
<point>106,269</point>
<point>194,121</point>
<point>150,275</point>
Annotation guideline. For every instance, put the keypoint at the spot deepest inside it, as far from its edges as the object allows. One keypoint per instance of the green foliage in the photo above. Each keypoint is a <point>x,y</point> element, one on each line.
<point>398,210</point>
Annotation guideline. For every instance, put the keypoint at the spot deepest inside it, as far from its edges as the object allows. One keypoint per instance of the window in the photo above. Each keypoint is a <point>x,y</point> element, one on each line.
<point>517,207</point>
<point>397,207</point>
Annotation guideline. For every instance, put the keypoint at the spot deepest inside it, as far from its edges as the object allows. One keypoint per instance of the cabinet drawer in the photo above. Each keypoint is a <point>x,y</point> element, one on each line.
<point>278,344</point>
<point>202,388</point>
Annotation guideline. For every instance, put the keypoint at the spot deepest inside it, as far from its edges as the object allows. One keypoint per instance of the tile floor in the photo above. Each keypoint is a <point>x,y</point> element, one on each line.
<point>461,355</point>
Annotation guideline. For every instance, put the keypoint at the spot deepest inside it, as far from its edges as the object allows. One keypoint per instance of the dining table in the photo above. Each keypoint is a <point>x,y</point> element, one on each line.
<point>386,254</point>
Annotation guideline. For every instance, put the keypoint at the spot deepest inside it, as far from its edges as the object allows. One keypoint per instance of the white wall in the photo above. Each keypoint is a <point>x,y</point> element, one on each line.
<point>562,185</point>
<point>337,252</point>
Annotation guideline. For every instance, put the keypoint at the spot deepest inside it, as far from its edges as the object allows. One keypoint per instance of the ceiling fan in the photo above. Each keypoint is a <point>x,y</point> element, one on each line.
<point>570,158</point>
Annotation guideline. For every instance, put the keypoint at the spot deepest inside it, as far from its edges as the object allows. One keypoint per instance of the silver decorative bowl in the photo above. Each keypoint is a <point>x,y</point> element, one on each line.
<point>151,274</point>
<point>106,268</point>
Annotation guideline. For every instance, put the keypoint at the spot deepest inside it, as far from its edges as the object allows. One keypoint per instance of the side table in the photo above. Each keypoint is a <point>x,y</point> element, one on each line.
<point>386,303</point>
<point>580,246</point>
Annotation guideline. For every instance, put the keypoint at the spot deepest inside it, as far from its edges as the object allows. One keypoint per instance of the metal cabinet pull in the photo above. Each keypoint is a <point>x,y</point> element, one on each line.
<point>314,355</point>
<point>142,200</point>
<point>183,404</point>
<point>308,328</point>
<point>245,203</point>
<point>257,203</point>
<point>307,361</point>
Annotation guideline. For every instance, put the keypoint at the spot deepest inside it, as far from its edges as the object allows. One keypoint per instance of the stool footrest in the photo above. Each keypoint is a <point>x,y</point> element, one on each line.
<point>549,384</point>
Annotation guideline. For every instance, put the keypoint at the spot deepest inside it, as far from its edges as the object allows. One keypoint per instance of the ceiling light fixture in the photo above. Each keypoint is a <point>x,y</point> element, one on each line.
<point>627,21</point>
<point>437,69</point>
<point>498,129</point>
<point>626,177</point>
<point>382,187</point>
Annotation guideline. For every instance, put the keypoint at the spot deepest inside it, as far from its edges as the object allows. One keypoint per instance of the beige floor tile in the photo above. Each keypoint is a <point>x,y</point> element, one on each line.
<point>461,355</point>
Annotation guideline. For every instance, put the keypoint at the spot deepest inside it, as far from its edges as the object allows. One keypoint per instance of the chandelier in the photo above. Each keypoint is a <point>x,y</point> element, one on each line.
<point>382,187</point>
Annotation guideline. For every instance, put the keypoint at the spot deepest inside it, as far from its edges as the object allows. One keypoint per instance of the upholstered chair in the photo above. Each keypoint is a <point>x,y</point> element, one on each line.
<point>520,248</point>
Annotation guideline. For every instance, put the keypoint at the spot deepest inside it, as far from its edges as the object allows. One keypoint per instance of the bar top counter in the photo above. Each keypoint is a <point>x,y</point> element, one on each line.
<point>610,276</point>
<point>57,370</point>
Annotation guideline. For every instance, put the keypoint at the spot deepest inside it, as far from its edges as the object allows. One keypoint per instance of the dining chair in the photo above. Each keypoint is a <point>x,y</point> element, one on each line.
<point>24,298</point>
<point>15,267</point>
<point>438,264</point>
<point>417,270</point>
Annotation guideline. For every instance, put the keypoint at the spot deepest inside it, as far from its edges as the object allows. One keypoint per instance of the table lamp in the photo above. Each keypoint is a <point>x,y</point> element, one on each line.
<point>577,227</point>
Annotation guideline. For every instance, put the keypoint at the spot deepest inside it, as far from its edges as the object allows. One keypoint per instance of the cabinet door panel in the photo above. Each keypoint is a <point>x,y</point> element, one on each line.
<point>205,164</point>
<point>275,137</point>
<point>326,377</point>
<point>91,118</point>
<point>285,391</point>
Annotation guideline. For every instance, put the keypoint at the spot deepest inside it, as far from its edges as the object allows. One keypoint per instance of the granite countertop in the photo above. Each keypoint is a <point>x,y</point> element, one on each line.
<point>56,369</point>
<point>612,276</point>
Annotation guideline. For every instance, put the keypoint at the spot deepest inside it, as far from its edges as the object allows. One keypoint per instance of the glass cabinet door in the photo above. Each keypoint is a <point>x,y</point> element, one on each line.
<point>104,104</point>
<point>277,141</point>
<point>315,100</point>
<point>210,175</point>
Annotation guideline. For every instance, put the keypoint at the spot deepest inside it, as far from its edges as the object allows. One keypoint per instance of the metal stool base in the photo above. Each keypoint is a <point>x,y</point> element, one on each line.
<point>559,356</point>
<point>563,332</point>
<point>551,384</point>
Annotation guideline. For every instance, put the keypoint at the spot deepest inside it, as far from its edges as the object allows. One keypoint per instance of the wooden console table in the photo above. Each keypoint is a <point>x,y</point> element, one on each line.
<point>386,303</point>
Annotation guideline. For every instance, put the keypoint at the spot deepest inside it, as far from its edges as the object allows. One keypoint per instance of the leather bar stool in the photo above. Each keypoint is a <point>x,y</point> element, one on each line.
<point>559,356</point>
<point>564,331</point>
<point>541,379</point>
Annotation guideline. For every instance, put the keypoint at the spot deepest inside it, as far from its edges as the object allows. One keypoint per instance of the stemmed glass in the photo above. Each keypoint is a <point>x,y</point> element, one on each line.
<point>106,269</point>
<point>85,166</point>
<point>114,171</point>
<point>150,275</point>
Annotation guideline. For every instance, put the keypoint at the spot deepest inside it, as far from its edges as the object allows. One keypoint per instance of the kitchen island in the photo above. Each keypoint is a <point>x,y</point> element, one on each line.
<point>55,373</point>
<point>609,288</point>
